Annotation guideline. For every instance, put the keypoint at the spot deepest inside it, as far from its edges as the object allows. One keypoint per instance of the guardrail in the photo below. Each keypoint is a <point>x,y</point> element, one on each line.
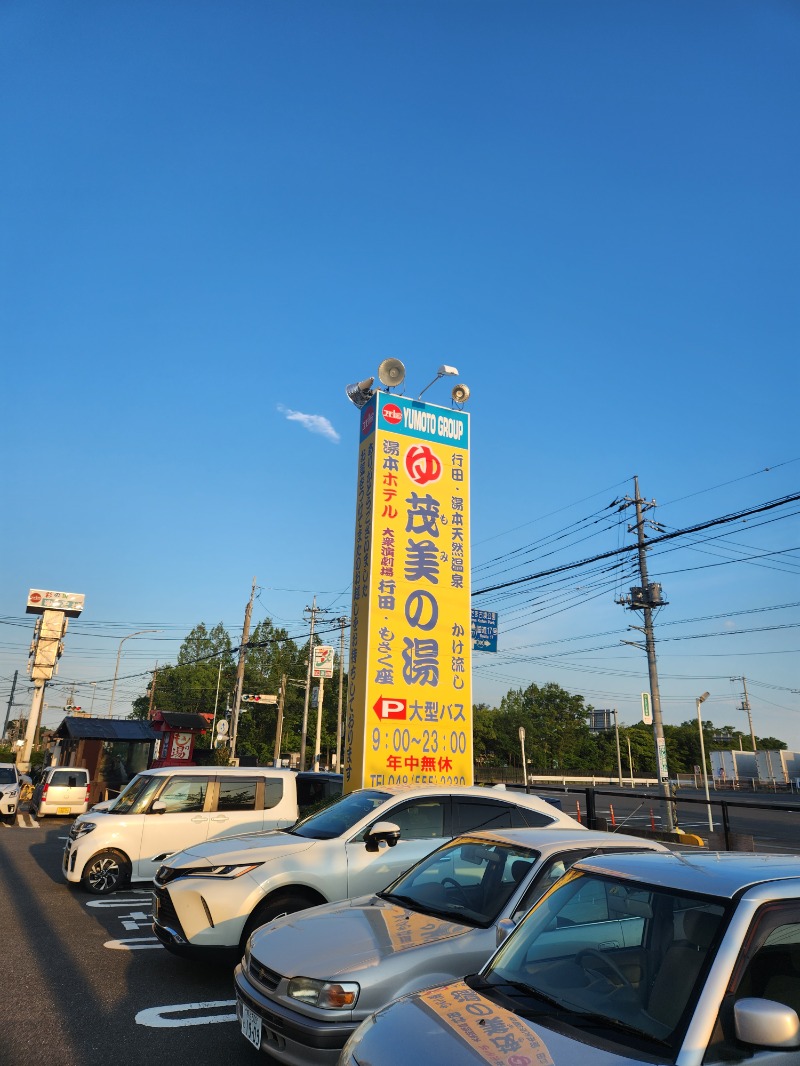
<point>732,841</point>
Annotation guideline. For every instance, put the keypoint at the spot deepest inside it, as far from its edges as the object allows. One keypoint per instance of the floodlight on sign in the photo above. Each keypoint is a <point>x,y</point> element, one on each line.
<point>460,394</point>
<point>443,371</point>
<point>361,392</point>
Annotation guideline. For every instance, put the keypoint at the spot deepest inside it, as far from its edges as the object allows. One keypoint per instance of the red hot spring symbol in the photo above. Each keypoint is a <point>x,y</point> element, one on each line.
<point>422,465</point>
<point>392,414</point>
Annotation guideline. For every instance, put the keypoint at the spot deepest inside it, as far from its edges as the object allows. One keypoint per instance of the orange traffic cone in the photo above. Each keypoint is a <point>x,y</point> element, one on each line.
<point>578,809</point>
<point>613,819</point>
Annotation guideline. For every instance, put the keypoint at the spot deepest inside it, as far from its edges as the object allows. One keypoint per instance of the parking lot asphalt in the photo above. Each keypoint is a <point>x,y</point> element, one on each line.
<point>86,984</point>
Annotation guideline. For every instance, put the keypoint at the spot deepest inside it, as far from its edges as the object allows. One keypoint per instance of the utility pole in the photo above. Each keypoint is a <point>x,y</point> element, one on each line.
<point>342,623</point>
<point>279,725</point>
<point>11,703</point>
<point>152,693</point>
<point>314,611</point>
<point>745,706</point>
<point>304,727</point>
<point>318,738</point>
<point>237,696</point>
<point>619,754</point>
<point>645,598</point>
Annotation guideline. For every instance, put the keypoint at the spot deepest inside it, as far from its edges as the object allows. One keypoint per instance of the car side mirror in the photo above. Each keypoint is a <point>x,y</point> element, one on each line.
<point>505,927</point>
<point>158,807</point>
<point>384,834</point>
<point>765,1023</point>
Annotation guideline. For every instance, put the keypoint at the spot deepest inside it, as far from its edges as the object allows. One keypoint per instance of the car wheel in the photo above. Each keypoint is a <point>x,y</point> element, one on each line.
<point>275,907</point>
<point>106,872</point>
<point>9,819</point>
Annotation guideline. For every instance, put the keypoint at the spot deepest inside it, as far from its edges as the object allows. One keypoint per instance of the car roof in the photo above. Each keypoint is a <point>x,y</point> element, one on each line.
<point>494,792</point>
<point>548,840</point>
<point>715,873</point>
<point>8,766</point>
<point>160,771</point>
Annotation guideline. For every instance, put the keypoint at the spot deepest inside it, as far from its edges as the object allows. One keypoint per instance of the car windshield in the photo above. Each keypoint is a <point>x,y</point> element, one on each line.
<point>468,881</point>
<point>340,817</point>
<point>602,952</point>
<point>136,795</point>
<point>8,775</point>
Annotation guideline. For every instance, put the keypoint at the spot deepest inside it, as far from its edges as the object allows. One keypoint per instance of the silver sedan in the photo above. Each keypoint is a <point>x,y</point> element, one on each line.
<point>308,980</point>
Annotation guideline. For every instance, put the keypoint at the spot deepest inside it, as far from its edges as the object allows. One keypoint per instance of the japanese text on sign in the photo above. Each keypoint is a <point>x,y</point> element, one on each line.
<point>410,647</point>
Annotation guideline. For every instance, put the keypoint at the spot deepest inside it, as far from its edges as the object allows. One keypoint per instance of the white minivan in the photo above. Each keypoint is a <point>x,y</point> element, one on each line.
<point>172,808</point>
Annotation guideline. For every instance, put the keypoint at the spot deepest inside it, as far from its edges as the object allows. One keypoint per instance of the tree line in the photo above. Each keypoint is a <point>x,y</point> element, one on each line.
<point>557,735</point>
<point>204,678</point>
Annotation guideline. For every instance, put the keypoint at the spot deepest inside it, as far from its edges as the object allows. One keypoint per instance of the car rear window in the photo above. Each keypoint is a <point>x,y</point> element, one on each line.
<point>7,776</point>
<point>313,791</point>
<point>68,778</point>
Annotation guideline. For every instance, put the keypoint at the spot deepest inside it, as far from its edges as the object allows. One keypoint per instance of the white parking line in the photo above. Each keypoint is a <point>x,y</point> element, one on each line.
<point>157,1017</point>
<point>118,901</point>
<point>134,943</point>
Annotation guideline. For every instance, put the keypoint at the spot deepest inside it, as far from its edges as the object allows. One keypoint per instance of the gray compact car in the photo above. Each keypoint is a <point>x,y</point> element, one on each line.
<point>632,959</point>
<point>307,980</point>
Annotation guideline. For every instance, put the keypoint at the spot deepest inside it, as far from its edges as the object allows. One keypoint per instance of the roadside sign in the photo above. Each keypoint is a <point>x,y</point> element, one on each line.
<point>484,630</point>
<point>222,727</point>
<point>663,772</point>
<point>323,661</point>
<point>647,710</point>
<point>259,699</point>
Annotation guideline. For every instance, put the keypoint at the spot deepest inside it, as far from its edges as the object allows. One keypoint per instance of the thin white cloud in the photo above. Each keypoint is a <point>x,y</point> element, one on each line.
<point>313,423</point>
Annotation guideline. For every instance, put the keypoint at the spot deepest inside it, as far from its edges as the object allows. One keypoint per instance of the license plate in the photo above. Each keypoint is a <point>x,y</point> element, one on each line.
<point>251,1026</point>
<point>62,810</point>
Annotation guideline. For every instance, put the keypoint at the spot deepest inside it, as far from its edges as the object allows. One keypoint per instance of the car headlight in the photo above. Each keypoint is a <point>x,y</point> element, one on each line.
<point>80,829</point>
<point>332,995</point>
<point>167,873</point>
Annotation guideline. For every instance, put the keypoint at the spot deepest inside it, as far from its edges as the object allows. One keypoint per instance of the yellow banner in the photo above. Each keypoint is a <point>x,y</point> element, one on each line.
<point>497,1035</point>
<point>410,929</point>
<point>409,715</point>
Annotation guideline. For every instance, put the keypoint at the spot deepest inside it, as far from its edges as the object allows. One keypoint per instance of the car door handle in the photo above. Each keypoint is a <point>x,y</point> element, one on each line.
<point>199,818</point>
<point>220,818</point>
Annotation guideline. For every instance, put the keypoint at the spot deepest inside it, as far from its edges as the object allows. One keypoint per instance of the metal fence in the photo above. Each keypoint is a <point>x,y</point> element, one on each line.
<point>761,825</point>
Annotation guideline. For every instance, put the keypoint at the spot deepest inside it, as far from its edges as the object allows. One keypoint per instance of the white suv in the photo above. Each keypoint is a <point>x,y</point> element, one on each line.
<point>209,898</point>
<point>10,784</point>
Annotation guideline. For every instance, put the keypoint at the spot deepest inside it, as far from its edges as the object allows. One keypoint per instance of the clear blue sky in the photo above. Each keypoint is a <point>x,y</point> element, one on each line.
<point>215,216</point>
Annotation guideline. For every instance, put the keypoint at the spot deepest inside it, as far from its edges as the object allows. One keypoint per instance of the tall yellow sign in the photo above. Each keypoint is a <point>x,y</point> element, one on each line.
<point>409,711</point>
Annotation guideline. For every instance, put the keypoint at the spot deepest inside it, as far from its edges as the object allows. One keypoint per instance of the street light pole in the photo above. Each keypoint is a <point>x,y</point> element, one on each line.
<point>138,633</point>
<point>698,701</point>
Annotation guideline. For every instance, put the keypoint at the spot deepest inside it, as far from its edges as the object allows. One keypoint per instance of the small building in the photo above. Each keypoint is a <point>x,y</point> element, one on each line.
<point>112,750</point>
<point>177,733</point>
